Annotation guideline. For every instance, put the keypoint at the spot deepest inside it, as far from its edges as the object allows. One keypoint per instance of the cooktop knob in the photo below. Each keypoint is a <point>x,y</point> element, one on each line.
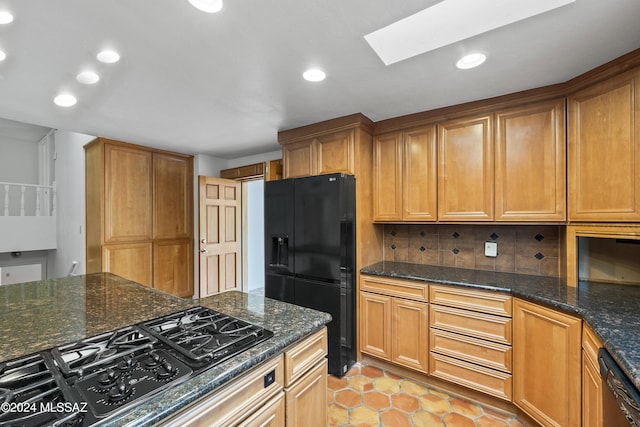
<point>153,360</point>
<point>107,377</point>
<point>125,364</point>
<point>166,370</point>
<point>119,391</point>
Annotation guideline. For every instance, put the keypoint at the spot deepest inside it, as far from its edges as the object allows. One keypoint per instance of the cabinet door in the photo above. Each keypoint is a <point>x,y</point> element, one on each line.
<point>591,394</point>
<point>604,151</point>
<point>128,194</point>
<point>546,364</point>
<point>173,267</point>
<point>419,181</point>
<point>465,170</point>
<point>299,159</point>
<point>530,163</point>
<point>375,325</point>
<point>129,260</point>
<point>172,197</point>
<point>306,400</point>
<point>387,177</point>
<point>270,415</point>
<point>335,153</point>
<point>410,328</point>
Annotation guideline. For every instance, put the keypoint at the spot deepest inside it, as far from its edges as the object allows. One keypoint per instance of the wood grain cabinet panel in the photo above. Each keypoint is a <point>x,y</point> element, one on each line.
<point>387,177</point>
<point>306,400</point>
<point>139,212</point>
<point>470,299</point>
<point>299,159</point>
<point>375,325</point>
<point>530,163</point>
<point>335,153</point>
<point>130,260</point>
<point>409,334</point>
<point>173,267</point>
<point>465,169</point>
<point>479,325</point>
<point>604,151</point>
<point>127,194</point>
<point>592,383</point>
<point>172,207</point>
<point>546,364</point>
<point>405,175</point>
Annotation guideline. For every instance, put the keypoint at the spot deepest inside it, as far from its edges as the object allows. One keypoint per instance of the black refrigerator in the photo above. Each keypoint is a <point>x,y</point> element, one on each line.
<point>310,254</point>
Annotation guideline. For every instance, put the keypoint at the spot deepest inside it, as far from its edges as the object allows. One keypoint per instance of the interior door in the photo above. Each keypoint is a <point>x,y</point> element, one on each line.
<point>220,235</point>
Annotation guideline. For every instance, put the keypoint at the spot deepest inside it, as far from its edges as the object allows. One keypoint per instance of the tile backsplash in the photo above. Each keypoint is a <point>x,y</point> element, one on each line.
<point>523,249</point>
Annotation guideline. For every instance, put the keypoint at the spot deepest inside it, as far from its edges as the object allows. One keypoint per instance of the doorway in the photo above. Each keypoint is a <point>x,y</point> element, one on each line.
<point>253,236</point>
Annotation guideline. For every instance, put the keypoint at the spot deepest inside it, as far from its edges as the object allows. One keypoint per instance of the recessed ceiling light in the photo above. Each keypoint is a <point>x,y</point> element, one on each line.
<point>2,55</point>
<point>5,17</point>
<point>443,24</point>
<point>108,56</point>
<point>470,61</point>
<point>209,6</point>
<point>314,75</point>
<point>65,100</point>
<point>88,77</point>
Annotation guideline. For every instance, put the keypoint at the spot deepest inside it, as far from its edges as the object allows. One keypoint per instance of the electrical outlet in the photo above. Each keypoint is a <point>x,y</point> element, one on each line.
<point>490,249</point>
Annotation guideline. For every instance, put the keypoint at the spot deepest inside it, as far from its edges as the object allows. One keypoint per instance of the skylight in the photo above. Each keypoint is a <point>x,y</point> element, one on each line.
<point>451,21</point>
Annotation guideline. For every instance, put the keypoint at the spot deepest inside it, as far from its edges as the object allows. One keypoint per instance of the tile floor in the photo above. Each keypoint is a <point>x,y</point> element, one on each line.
<point>368,396</point>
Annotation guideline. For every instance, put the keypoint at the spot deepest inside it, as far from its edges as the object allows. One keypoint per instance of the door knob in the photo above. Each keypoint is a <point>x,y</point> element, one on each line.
<point>204,250</point>
<point>203,241</point>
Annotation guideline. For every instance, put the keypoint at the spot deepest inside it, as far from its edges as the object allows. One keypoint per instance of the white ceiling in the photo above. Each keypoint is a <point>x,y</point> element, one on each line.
<point>224,84</point>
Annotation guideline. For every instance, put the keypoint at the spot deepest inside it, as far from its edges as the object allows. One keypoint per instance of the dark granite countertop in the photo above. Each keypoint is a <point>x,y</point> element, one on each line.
<point>40,315</point>
<point>611,310</point>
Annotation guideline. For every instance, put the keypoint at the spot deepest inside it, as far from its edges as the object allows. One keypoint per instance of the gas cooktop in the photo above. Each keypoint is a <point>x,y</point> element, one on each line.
<point>84,382</point>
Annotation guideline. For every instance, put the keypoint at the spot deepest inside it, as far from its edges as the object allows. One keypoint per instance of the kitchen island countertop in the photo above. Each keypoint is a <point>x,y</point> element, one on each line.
<point>37,316</point>
<point>611,310</point>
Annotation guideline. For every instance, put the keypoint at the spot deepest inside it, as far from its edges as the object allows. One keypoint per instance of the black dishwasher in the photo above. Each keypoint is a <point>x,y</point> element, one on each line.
<point>621,399</point>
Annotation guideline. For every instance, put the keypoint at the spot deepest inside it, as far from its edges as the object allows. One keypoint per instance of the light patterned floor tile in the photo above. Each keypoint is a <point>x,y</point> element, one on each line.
<point>369,396</point>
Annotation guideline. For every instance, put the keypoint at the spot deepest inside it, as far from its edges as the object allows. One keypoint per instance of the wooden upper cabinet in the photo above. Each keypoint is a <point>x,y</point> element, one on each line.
<point>405,175</point>
<point>128,194</point>
<point>172,207</point>
<point>530,163</point>
<point>335,152</point>
<point>299,159</point>
<point>465,169</point>
<point>604,151</point>
<point>419,186</point>
<point>387,177</point>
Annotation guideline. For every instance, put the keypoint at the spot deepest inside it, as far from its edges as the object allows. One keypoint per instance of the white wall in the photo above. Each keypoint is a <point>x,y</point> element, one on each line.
<point>18,161</point>
<point>254,235</point>
<point>69,172</point>
<point>256,158</point>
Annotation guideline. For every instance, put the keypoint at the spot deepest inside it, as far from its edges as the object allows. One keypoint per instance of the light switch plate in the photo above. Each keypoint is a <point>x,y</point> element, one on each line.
<point>490,249</point>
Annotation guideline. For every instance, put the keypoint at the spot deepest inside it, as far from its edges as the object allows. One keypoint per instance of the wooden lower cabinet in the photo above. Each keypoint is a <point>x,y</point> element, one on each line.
<point>236,402</point>
<point>409,334</point>
<point>271,414</point>
<point>129,260</point>
<point>547,364</point>
<point>173,267</point>
<point>395,329</point>
<point>306,399</point>
<point>592,383</point>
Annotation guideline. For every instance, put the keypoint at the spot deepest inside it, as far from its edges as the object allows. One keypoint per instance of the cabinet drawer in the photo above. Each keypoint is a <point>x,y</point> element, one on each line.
<point>415,290</point>
<point>470,299</point>
<point>590,343</point>
<point>271,414</point>
<point>489,381</point>
<point>481,352</point>
<point>303,356</point>
<point>233,402</point>
<point>479,325</point>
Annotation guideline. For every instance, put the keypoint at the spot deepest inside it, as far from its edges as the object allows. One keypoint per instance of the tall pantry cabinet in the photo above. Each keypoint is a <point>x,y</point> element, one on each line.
<point>139,207</point>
